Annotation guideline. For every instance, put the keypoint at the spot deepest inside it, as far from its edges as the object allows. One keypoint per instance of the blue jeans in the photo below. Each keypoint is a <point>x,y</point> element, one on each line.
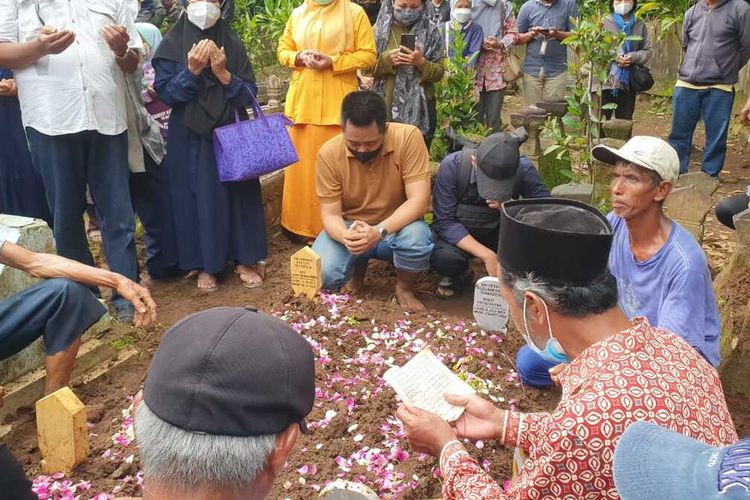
<point>715,108</point>
<point>533,370</point>
<point>59,310</point>
<point>408,249</point>
<point>67,164</point>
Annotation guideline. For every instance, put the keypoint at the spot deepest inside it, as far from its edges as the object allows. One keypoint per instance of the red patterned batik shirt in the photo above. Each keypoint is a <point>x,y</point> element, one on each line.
<point>642,373</point>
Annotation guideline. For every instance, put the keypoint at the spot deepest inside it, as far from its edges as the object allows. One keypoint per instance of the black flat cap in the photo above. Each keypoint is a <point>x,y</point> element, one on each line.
<point>560,241</point>
<point>231,371</point>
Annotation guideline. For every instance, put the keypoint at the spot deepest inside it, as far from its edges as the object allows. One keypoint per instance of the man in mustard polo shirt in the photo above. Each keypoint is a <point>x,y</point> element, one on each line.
<point>373,183</point>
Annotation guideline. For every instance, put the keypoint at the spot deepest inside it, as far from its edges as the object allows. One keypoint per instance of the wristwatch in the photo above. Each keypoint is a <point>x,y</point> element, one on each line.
<point>382,232</point>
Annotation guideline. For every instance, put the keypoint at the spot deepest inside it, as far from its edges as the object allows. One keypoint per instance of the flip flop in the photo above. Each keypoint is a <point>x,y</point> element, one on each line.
<point>253,282</point>
<point>444,292</point>
<point>213,286</point>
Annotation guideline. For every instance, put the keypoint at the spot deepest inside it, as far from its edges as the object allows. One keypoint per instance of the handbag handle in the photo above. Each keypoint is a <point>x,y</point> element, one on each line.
<point>257,111</point>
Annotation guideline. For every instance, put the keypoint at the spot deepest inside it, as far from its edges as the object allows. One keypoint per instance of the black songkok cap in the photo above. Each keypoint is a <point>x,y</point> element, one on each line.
<point>561,241</point>
<point>231,371</point>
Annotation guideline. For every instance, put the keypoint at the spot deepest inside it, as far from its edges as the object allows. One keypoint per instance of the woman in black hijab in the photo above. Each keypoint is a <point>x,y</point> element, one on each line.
<point>203,72</point>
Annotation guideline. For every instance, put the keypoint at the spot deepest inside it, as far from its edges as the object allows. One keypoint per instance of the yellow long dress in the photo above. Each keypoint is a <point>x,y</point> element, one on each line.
<point>342,31</point>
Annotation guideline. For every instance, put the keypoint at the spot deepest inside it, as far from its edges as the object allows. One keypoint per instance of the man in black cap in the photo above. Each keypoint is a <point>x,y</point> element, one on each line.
<point>469,189</point>
<point>223,404</point>
<point>553,258</point>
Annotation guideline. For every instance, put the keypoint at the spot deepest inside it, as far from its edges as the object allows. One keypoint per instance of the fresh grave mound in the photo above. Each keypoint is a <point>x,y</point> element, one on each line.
<point>354,434</point>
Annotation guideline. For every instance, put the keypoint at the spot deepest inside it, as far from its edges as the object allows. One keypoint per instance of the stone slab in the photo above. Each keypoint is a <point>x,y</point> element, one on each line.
<point>617,128</point>
<point>702,182</point>
<point>32,234</point>
<point>695,228</point>
<point>574,191</point>
<point>602,177</point>
<point>687,203</point>
<point>490,309</point>
<point>742,230</point>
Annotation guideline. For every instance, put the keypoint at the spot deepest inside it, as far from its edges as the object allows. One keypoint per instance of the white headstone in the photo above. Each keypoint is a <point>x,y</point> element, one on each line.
<point>490,309</point>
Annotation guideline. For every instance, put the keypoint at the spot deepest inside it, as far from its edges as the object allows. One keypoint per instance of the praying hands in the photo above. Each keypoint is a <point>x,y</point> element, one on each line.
<point>360,237</point>
<point>206,54</point>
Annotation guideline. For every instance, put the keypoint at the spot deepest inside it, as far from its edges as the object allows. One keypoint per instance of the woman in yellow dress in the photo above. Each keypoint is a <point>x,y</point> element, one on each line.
<point>325,42</point>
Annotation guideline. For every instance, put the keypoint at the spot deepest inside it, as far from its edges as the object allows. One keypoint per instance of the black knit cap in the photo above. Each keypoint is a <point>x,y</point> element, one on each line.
<point>561,241</point>
<point>231,371</point>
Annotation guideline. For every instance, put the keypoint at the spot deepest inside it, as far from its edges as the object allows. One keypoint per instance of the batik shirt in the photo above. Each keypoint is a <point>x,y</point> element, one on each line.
<point>642,373</point>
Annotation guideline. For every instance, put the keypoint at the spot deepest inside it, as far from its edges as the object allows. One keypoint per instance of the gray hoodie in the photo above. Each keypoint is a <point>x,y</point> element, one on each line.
<point>716,42</point>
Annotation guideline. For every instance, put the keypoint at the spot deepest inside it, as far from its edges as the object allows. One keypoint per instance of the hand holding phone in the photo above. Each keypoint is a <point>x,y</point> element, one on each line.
<point>409,40</point>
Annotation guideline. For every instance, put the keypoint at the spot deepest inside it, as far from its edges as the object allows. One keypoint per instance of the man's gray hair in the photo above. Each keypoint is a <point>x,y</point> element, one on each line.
<point>174,456</point>
<point>568,300</point>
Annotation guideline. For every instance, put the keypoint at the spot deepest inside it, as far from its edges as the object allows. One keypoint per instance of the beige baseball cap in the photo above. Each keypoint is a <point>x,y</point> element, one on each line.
<point>645,151</point>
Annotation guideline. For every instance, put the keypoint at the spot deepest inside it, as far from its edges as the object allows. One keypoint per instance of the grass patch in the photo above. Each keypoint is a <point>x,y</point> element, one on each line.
<point>123,342</point>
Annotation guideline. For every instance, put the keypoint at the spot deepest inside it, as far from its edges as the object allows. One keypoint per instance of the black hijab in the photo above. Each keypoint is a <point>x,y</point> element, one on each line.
<point>209,108</point>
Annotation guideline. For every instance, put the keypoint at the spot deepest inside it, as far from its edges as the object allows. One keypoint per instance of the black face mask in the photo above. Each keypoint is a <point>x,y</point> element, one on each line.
<point>365,156</point>
<point>372,10</point>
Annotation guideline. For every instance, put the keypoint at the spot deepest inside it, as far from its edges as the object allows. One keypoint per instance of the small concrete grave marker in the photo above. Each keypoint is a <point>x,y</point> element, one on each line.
<point>305,270</point>
<point>62,432</point>
<point>490,309</point>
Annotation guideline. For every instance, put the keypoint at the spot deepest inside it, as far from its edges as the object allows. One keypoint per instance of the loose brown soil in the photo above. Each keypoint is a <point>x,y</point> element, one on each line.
<point>353,432</point>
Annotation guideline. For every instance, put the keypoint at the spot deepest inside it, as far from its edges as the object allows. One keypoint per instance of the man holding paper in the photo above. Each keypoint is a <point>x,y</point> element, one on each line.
<point>553,258</point>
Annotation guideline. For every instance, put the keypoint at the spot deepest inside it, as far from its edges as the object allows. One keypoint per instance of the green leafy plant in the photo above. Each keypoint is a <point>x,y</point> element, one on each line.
<point>260,24</point>
<point>456,101</point>
<point>669,13</point>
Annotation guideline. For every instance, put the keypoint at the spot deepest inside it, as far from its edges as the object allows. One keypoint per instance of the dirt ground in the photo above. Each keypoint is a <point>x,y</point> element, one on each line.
<point>353,432</point>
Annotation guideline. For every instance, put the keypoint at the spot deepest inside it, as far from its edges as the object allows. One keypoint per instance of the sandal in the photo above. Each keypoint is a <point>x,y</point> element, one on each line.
<point>250,277</point>
<point>444,293</point>
<point>207,282</point>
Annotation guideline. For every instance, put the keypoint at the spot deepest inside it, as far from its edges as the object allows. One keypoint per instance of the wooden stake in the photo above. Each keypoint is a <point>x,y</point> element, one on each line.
<point>62,431</point>
<point>306,276</point>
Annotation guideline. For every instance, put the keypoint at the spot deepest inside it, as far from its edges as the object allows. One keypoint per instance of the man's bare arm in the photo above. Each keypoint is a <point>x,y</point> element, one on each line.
<point>333,220</point>
<point>24,54</point>
<point>42,265</point>
<point>417,200</point>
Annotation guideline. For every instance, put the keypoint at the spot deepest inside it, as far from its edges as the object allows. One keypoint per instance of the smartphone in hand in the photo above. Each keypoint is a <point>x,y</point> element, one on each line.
<point>409,40</point>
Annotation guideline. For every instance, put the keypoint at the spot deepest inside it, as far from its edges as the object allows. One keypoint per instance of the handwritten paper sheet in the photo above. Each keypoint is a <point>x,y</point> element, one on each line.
<point>423,380</point>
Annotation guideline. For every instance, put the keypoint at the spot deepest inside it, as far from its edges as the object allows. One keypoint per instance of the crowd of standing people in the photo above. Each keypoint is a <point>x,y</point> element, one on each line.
<point>96,102</point>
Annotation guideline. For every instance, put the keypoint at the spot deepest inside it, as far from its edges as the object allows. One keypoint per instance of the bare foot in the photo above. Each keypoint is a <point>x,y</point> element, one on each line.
<point>207,282</point>
<point>407,300</point>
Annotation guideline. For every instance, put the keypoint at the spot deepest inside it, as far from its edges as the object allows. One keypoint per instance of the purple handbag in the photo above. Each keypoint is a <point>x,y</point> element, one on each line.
<point>247,149</point>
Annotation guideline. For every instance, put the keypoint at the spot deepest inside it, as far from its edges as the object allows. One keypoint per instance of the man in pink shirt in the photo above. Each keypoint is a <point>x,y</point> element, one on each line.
<point>553,257</point>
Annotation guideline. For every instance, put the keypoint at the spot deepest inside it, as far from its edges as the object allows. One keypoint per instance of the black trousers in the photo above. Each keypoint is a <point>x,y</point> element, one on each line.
<point>449,260</point>
<point>729,207</point>
<point>625,101</point>
<point>13,481</point>
<point>432,115</point>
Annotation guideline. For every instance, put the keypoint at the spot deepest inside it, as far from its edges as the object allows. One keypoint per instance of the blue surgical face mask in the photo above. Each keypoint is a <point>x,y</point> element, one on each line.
<point>553,351</point>
<point>406,17</point>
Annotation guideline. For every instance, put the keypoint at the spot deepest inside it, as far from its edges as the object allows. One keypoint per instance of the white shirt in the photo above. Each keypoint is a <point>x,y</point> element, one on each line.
<point>81,88</point>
